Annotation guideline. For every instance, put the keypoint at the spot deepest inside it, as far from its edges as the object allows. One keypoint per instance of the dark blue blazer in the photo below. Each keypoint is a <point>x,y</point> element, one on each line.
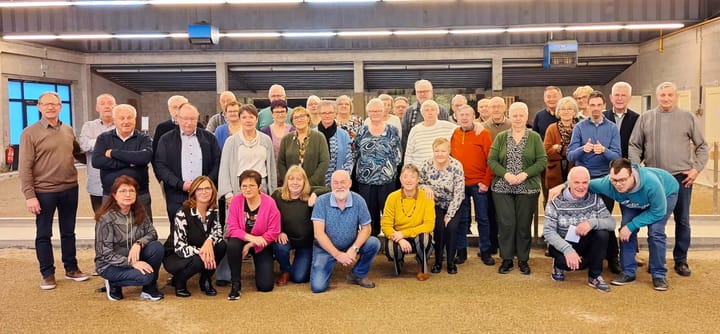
<point>626,129</point>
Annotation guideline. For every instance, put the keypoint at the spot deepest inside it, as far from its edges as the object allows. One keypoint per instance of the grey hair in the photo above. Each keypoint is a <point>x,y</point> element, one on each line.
<point>56,95</point>
<point>666,84</point>
<point>430,103</point>
<point>97,99</point>
<point>571,100</point>
<point>578,169</point>
<point>518,106</point>
<point>375,100</point>
<point>324,103</point>
<point>124,106</point>
<point>174,98</point>
<point>459,96</point>
<point>423,81</point>
<point>621,84</point>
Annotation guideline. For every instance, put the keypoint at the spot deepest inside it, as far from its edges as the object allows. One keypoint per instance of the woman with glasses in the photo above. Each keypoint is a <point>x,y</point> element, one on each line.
<point>338,141</point>
<point>306,148</point>
<point>247,149</point>
<point>127,252</point>
<point>253,225</point>
<point>233,125</point>
<point>557,139</point>
<point>377,152</point>
<point>196,244</point>
<point>279,128</point>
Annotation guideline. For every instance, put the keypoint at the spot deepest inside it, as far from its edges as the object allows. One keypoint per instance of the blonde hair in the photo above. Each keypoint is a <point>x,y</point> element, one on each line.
<point>440,141</point>
<point>285,191</point>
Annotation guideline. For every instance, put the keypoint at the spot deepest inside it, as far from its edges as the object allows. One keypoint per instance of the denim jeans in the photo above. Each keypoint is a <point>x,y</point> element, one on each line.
<point>480,201</point>
<point>300,268</point>
<point>323,264</point>
<point>152,253</point>
<point>682,221</point>
<point>657,241</point>
<point>66,203</point>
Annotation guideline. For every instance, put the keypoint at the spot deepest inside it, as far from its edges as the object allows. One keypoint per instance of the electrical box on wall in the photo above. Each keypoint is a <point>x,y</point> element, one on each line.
<point>560,54</point>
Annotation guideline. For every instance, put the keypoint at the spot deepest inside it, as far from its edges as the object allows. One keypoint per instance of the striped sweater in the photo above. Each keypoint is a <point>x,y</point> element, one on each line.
<point>419,143</point>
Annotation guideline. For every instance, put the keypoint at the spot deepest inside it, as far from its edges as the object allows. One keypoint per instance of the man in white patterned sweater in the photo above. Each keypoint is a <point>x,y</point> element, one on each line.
<point>577,226</point>
<point>419,141</point>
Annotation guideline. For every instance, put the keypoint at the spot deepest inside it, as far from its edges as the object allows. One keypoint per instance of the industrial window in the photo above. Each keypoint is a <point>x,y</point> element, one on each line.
<point>23,97</point>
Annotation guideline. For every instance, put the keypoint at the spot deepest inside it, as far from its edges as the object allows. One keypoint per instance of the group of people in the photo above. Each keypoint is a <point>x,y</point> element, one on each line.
<point>323,183</point>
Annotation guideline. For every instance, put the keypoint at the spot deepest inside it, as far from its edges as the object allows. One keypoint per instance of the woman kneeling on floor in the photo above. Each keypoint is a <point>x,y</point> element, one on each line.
<point>253,224</point>
<point>127,252</point>
<point>195,244</point>
<point>408,219</point>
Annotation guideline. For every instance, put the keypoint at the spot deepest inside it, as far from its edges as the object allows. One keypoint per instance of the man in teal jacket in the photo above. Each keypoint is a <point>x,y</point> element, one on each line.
<point>647,197</point>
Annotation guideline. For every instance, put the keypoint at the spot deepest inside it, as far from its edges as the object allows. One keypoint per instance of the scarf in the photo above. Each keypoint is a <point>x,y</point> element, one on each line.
<point>329,132</point>
<point>565,133</point>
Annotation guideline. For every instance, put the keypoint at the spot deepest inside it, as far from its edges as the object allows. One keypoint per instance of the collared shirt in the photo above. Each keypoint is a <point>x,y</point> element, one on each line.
<point>341,226</point>
<point>191,156</point>
<point>89,133</point>
<point>124,139</point>
<point>619,117</point>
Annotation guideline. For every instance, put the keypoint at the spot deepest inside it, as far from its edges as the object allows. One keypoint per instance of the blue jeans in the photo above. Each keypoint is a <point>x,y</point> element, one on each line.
<point>300,268</point>
<point>323,264</point>
<point>657,241</point>
<point>152,253</point>
<point>66,203</point>
<point>682,221</point>
<point>480,201</point>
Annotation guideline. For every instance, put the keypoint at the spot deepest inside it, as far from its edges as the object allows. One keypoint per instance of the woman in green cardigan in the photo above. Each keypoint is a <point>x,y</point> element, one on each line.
<point>304,147</point>
<point>517,157</point>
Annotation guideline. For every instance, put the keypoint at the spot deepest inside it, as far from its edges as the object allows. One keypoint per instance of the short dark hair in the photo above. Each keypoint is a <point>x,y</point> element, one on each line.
<point>278,104</point>
<point>250,109</point>
<point>250,174</point>
<point>619,164</point>
<point>595,94</point>
<point>233,104</point>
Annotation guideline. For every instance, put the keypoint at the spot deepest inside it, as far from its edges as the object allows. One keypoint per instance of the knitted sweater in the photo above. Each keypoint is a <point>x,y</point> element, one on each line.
<point>564,211</point>
<point>421,212</point>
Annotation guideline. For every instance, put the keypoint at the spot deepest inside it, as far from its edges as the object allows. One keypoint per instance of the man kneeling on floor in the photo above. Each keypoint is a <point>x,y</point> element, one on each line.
<point>341,222</point>
<point>577,226</point>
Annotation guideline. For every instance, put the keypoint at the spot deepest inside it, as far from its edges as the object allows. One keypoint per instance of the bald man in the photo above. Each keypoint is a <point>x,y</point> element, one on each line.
<point>219,118</point>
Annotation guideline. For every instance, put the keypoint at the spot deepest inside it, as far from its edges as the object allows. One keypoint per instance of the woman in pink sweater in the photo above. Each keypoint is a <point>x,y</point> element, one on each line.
<point>253,224</point>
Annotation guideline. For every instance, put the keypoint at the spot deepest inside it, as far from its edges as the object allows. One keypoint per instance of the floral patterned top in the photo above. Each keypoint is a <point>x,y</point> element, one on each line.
<point>514,165</point>
<point>352,126</point>
<point>378,157</point>
<point>448,184</point>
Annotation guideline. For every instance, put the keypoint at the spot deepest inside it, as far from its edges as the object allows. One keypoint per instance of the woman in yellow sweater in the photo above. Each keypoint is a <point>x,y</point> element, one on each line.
<point>408,219</point>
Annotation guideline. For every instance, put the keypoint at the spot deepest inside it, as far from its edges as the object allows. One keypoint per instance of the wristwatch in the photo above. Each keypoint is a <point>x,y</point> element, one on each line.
<point>356,248</point>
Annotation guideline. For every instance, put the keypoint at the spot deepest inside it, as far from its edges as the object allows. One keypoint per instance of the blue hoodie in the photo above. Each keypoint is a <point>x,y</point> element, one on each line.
<point>609,136</point>
<point>652,187</point>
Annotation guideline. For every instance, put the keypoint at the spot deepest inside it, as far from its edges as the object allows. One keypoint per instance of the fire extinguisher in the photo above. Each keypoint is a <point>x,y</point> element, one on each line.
<point>9,155</point>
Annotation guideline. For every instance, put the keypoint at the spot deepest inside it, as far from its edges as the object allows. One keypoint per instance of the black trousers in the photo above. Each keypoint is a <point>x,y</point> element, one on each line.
<point>591,248</point>
<point>96,202</point>
<point>263,260</point>
<point>613,249</point>
<point>445,236</point>
<point>183,268</point>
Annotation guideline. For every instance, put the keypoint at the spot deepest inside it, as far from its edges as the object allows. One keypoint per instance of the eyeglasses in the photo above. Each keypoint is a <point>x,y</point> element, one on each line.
<point>126,191</point>
<point>327,113</point>
<point>620,181</point>
<point>299,117</point>
<point>203,190</point>
<point>279,111</point>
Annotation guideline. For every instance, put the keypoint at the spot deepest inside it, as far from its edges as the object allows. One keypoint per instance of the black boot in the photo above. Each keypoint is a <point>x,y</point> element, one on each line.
<point>436,268</point>
<point>206,284</point>
<point>181,290</point>
<point>234,291</point>
<point>461,256</point>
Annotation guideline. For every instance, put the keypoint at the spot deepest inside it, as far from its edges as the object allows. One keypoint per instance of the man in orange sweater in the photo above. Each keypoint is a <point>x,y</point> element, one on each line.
<point>472,150</point>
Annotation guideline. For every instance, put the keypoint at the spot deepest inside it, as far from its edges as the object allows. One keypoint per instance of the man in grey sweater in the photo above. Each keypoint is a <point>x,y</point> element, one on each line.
<point>662,138</point>
<point>577,226</point>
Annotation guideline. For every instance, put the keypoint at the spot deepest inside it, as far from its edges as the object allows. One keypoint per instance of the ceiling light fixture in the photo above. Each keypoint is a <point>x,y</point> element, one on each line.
<point>421,32</point>
<point>476,31</point>
<point>308,34</point>
<point>594,28</point>
<point>534,29</point>
<point>654,26</point>
<point>250,34</point>
<point>364,33</point>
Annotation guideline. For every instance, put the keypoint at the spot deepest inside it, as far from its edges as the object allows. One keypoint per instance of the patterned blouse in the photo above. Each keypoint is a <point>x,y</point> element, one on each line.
<point>212,229</point>
<point>352,126</point>
<point>448,184</point>
<point>378,157</point>
<point>514,166</point>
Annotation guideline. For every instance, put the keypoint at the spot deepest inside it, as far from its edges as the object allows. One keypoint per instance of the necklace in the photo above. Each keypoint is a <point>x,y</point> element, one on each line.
<point>402,206</point>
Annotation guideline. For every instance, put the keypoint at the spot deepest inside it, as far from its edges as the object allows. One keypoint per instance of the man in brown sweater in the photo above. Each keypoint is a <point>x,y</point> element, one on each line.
<point>49,181</point>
